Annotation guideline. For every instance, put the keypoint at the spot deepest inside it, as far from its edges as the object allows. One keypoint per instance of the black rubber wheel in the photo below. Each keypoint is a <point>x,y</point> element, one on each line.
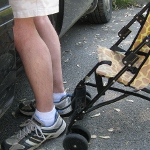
<point>102,13</point>
<point>75,142</point>
<point>82,131</point>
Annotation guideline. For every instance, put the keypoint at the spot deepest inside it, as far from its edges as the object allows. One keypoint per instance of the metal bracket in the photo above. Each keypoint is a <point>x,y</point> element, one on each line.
<point>124,32</point>
<point>140,18</point>
<point>130,59</point>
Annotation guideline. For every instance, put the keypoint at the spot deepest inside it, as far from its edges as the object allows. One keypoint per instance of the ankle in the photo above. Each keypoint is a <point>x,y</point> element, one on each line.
<point>57,96</point>
<point>48,118</point>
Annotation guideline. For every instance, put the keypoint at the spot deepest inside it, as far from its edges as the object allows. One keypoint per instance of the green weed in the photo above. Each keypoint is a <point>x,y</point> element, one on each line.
<point>118,4</point>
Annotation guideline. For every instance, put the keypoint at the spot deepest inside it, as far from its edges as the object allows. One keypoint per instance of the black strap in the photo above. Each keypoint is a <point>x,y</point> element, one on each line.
<point>116,48</point>
<point>133,70</point>
<point>137,71</point>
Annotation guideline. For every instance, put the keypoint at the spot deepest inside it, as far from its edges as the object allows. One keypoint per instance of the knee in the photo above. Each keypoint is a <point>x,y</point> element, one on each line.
<point>23,27</point>
<point>41,20</point>
<point>23,30</point>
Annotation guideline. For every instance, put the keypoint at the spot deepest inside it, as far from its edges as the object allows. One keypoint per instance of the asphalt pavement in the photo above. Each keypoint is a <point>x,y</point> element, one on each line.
<point>124,125</point>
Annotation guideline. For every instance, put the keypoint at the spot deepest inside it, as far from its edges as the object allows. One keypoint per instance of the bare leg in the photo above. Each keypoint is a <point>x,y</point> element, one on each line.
<point>50,37</point>
<point>36,59</point>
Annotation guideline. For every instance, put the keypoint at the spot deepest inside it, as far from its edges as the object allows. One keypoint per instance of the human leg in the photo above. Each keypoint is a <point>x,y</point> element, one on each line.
<point>62,100</point>
<point>50,37</point>
<point>37,62</point>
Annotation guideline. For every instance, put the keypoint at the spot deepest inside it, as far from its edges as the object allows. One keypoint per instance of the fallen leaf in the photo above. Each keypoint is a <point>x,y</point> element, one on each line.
<point>129,100</point>
<point>66,60</point>
<point>105,137</point>
<point>96,115</point>
<point>14,114</point>
<point>22,100</point>
<point>127,142</point>
<point>67,89</point>
<point>104,83</point>
<point>93,136</point>
<point>79,43</point>
<point>78,65</point>
<point>118,110</point>
<point>111,129</point>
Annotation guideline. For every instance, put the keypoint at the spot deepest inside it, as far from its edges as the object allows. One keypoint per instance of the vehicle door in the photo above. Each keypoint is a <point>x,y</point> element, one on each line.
<point>7,57</point>
<point>73,10</point>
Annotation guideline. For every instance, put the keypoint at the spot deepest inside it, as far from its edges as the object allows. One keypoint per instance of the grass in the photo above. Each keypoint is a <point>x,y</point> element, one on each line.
<point>118,4</point>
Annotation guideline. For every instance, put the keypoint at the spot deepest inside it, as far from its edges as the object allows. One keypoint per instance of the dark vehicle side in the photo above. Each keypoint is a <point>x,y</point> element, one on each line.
<point>7,57</point>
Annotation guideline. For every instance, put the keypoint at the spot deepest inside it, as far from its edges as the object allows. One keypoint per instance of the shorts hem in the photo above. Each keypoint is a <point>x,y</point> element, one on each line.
<point>35,13</point>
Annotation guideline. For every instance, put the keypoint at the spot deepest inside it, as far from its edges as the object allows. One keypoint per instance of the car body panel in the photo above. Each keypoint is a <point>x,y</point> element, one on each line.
<point>3,3</point>
<point>73,10</point>
<point>7,57</point>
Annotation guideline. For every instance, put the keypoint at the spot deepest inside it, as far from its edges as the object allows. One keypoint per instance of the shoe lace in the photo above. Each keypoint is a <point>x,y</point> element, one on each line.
<point>30,126</point>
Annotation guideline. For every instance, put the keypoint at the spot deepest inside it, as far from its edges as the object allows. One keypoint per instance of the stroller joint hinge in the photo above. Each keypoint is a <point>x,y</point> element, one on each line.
<point>140,18</point>
<point>124,32</point>
<point>130,59</point>
<point>148,41</point>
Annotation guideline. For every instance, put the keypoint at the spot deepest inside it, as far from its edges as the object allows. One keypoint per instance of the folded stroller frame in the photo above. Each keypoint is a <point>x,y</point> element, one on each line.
<point>131,69</point>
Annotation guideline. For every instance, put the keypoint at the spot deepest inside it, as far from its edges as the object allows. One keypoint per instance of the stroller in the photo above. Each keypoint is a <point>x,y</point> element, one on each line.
<point>129,67</point>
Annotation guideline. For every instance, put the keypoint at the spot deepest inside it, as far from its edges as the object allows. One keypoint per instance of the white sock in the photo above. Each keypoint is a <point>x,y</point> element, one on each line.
<point>47,118</point>
<point>57,96</point>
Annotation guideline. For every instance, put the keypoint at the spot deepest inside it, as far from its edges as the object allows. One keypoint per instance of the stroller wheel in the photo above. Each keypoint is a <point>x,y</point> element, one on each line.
<point>82,131</point>
<point>75,141</point>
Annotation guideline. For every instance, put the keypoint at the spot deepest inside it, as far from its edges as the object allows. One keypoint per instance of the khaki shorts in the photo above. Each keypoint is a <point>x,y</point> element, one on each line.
<point>32,8</point>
